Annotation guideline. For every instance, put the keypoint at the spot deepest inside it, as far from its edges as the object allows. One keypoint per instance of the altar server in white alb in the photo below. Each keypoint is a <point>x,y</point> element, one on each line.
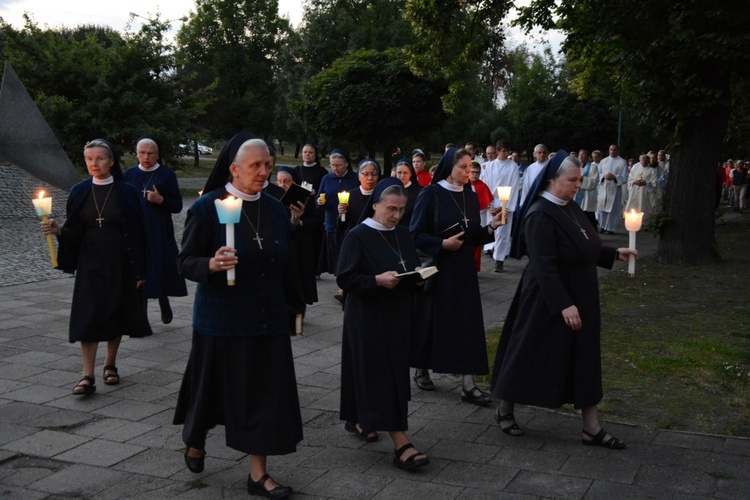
<point>501,172</point>
<point>643,188</point>
<point>613,173</point>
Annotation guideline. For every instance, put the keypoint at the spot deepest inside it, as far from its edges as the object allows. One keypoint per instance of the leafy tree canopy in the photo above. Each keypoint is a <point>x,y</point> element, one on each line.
<point>368,100</point>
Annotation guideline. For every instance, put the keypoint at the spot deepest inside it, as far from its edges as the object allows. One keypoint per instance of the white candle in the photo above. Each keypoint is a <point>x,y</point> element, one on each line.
<point>503,192</point>
<point>229,211</point>
<point>633,222</point>
<point>43,207</point>
<point>344,200</point>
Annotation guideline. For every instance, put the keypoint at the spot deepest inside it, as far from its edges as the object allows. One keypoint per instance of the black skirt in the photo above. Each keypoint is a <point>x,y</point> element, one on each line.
<point>246,384</point>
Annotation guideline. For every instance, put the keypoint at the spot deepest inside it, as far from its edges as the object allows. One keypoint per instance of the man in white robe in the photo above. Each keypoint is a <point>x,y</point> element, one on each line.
<point>643,188</point>
<point>541,153</point>
<point>501,172</point>
<point>613,173</point>
<point>589,189</point>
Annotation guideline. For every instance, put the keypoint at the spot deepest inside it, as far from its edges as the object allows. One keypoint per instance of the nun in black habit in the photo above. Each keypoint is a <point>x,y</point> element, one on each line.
<point>449,335</point>
<point>160,198</point>
<point>360,198</point>
<point>240,372</point>
<point>408,176</point>
<point>549,352</point>
<point>311,173</point>
<point>104,242</point>
<point>378,315</point>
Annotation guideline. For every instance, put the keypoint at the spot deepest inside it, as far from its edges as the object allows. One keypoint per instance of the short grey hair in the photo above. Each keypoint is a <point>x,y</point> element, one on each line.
<point>148,141</point>
<point>568,163</point>
<point>540,147</point>
<point>337,156</point>
<point>249,144</point>
<point>96,143</point>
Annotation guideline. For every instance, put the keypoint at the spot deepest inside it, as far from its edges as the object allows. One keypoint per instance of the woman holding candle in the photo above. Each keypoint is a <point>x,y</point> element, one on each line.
<point>339,180</point>
<point>549,352</point>
<point>103,241</point>
<point>449,337</point>
<point>375,349</point>
<point>240,372</point>
<point>160,198</point>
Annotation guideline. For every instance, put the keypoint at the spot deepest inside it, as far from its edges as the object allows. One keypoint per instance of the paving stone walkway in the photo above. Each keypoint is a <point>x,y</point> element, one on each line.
<point>119,443</point>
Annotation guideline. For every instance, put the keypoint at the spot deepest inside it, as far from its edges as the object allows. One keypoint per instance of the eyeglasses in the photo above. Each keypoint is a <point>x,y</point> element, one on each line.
<point>371,174</point>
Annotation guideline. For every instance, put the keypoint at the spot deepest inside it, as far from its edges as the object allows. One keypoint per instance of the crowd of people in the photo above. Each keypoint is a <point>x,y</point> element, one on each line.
<point>378,236</point>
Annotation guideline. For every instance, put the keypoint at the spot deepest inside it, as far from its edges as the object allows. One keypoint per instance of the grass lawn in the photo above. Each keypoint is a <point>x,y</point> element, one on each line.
<point>676,342</point>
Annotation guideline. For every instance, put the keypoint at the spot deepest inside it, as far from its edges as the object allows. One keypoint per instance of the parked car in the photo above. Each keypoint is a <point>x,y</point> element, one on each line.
<point>203,150</point>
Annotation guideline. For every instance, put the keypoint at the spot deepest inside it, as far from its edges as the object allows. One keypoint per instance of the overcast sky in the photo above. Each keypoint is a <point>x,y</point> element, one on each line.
<point>72,13</point>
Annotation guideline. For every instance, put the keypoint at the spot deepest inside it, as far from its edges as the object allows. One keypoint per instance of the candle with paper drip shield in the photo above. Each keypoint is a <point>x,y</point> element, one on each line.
<point>633,222</point>
<point>344,200</point>
<point>229,211</point>
<point>503,193</point>
<point>43,207</point>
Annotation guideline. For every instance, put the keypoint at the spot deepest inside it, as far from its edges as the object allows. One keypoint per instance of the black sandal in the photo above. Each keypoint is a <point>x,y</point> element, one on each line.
<point>108,376</point>
<point>363,435</point>
<point>508,430</point>
<point>89,388</point>
<point>598,440</point>
<point>411,462</point>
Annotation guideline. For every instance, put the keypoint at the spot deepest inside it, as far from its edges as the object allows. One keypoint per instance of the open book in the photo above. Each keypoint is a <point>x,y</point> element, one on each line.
<point>423,273</point>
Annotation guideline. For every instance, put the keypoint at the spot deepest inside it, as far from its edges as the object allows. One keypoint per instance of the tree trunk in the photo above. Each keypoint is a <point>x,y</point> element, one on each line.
<point>688,234</point>
<point>297,148</point>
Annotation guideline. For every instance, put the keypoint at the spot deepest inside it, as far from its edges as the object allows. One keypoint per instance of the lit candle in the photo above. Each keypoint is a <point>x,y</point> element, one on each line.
<point>503,192</point>
<point>344,200</point>
<point>43,207</point>
<point>307,185</point>
<point>633,221</point>
<point>229,211</point>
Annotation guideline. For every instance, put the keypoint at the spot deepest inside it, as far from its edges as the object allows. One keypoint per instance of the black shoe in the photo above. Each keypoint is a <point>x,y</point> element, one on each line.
<point>471,396</point>
<point>601,230</point>
<point>419,379</point>
<point>258,488</point>
<point>195,464</point>
<point>499,266</point>
<point>609,232</point>
<point>166,310</point>
<point>363,435</point>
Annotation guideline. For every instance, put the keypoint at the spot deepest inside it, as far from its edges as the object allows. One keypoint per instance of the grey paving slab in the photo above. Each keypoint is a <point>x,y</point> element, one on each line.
<point>488,477</point>
<point>78,480</point>
<point>154,462</point>
<point>130,410</point>
<point>403,488</point>
<point>46,443</point>
<point>549,485</point>
<point>120,443</point>
<point>100,452</point>
<point>339,484</point>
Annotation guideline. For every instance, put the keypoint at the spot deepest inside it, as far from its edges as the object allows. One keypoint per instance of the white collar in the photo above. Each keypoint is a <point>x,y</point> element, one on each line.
<point>157,165</point>
<point>554,199</point>
<point>450,187</point>
<point>370,222</point>
<point>239,194</point>
<point>103,182</point>
<point>407,185</point>
<point>365,192</point>
<point>309,165</point>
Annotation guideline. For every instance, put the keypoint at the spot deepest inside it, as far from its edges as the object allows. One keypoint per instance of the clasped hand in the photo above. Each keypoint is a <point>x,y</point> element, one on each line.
<point>223,260</point>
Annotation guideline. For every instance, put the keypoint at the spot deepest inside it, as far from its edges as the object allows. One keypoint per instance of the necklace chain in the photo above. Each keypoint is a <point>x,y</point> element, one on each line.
<point>144,191</point>
<point>463,212</point>
<point>257,238</point>
<point>402,262</point>
<point>583,231</point>
<point>100,219</point>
